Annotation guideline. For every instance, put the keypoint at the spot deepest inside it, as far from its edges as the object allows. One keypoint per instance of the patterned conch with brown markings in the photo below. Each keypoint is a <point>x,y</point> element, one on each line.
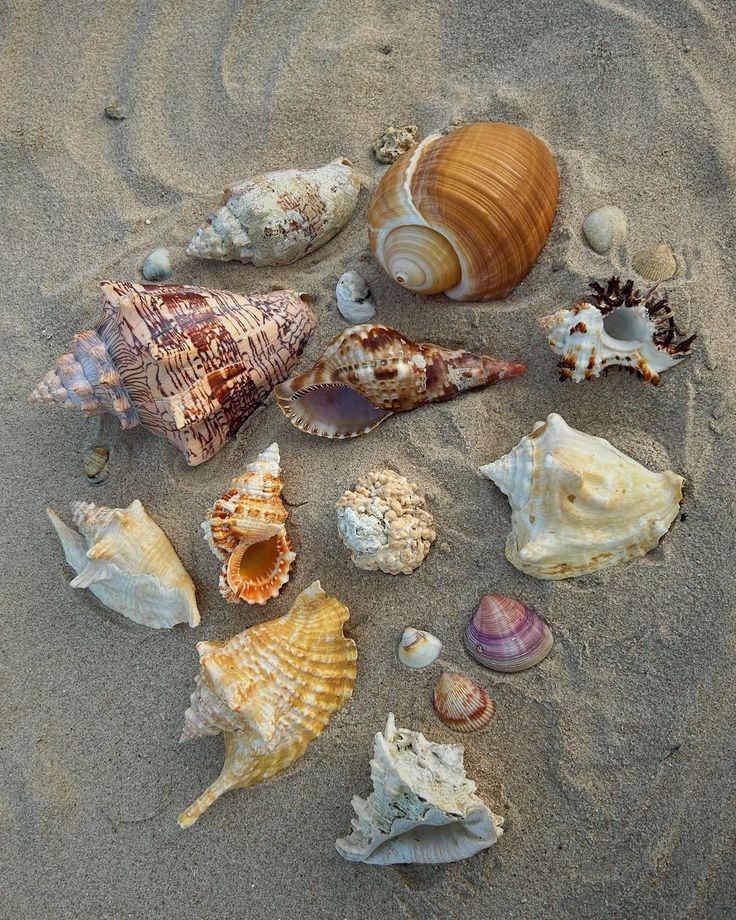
<point>188,364</point>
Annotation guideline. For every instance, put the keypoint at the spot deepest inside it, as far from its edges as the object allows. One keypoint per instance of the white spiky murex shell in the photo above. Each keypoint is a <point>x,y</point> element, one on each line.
<point>423,808</point>
<point>128,563</point>
<point>271,690</point>
<point>385,524</point>
<point>620,328</point>
<point>246,530</point>
<point>279,217</point>
<point>578,504</point>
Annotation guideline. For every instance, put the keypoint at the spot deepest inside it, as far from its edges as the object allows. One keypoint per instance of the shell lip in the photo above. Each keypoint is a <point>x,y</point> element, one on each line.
<point>290,393</point>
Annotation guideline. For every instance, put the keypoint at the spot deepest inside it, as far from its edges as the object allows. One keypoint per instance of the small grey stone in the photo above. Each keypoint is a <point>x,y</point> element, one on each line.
<point>157,266</point>
<point>604,226</point>
<point>114,112</point>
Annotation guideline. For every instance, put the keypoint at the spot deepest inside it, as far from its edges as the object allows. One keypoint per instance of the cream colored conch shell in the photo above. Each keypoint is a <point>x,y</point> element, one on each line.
<point>271,690</point>
<point>578,504</point>
<point>245,529</point>
<point>127,562</point>
<point>188,364</point>
<point>620,328</point>
<point>279,217</point>
<point>466,213</point>
<point>385,524</point>
<point>369,372</point>
<point>423,808</point>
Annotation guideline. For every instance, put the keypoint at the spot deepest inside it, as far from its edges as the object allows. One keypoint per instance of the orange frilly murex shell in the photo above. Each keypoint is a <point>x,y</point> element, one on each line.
<point>245,528</point>
<point>271,690</point>
<point>466,213</point>
<point>368,372</point>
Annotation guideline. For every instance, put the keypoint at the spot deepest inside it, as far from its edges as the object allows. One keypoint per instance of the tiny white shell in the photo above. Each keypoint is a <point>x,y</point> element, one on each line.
<point>604,227</point>
<point>354,300</point>
<point>157,266</point>
<point>418,649</point>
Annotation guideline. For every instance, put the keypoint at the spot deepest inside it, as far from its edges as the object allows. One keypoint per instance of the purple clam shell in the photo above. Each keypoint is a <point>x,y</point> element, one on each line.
<point>505,635</point>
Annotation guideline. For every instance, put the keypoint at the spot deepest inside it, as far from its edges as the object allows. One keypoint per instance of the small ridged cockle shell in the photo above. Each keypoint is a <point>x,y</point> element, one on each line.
<point>423,808</point>
<point>506,635</point>
<point>385,524</point>
<point>467,213</point>
<point>462,704</point>
<point>655,263</point>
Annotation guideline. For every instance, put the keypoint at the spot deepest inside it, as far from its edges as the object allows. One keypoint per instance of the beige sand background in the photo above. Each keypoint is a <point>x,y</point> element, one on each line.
<point>612,761</point>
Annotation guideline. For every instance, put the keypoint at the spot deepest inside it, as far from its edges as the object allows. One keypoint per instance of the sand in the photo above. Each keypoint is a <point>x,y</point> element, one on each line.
<point>613,761</point>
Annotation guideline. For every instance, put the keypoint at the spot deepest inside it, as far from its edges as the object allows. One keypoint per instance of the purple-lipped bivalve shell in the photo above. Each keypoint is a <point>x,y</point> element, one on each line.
<point>506,635</point>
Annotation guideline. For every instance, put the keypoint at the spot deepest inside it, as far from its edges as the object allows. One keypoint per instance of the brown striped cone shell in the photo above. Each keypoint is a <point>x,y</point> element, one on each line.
<point>461,703</point>
<point>369,372</point>
<point>271,690</point>
<point>245,529</point>
<point>467,213</point>
<point>188,364</point>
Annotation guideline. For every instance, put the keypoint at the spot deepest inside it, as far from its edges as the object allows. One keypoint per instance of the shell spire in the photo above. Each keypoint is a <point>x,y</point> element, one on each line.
<point>271,690</point>
<point>245,529</point>
<point>368,372</point>
<point>188,364</point>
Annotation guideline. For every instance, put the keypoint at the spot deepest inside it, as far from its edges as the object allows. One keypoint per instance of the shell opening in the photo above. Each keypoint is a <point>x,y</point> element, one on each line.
<point>421,259</point>
<point>256,563</point>
<point>335,411</point>
<point>626,325</point>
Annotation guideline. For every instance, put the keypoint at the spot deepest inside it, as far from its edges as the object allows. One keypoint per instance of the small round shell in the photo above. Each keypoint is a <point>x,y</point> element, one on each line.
<point>385,524</point>
<point>604,227</point>
<point>461,703</point>
<point>418,649</point>
<point>96,465</point>
<point>656,263</point>
<point>354,300</point>
<point>506,635</point>
<point>157,266</point>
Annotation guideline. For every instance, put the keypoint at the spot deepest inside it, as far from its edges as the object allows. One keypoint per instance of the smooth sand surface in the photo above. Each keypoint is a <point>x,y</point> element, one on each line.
<point>613,760</point>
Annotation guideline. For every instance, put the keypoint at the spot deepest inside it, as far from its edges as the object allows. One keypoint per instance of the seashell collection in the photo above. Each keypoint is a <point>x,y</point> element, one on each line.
<point>190,365</point>
<point>466,212</point>
<point>619,328</point>
<point>279,217</point>
<point>423,808</point>
<point>385,524</point>
<point>245,529</point>
<point>369,372</point>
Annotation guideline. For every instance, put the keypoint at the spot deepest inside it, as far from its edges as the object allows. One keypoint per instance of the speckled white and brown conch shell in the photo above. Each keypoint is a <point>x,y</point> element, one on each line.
<point>423,808</point>
<point>369,372</point>
<point>127,562</point>
<point>245,529</point>
<point>271,690</point>
<point>617,328</point>
<point>188,364</point>
<point>466,213</point>
<point>578,504</point>
<point>385,524</point>
<point>278,217</point>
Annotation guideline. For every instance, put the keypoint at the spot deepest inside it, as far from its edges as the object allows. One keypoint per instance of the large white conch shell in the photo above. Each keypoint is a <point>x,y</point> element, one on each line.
<point>278,217</point>
<point>578,504</point>
<point>619,328</point>
<point>423,808</point>
<point>127,562</point>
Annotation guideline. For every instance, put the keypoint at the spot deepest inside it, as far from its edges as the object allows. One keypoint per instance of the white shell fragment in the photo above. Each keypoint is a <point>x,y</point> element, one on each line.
<point>423,808</point>
<point>354,300</point>
<point>578,504</point>
<point>604,227</point>
<point>620,328</point>
<point>127,562</point>
<point>279,217</point>
<point>385,524</point>
<point>418,649</point>
<point>157,266</point>
<point>391,143</point>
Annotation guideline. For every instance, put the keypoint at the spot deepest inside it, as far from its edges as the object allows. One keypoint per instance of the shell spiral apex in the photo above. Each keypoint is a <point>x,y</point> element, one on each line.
<point>245,529</point>
<point>578,504</point>
<point>369,372</point>
<point>619,328</point>
<point>279,217</point>
<point>271,690</point>
<point>467,213</point>
<point>128,563</point>
<point>423,808</point>
<point>188,364</point>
